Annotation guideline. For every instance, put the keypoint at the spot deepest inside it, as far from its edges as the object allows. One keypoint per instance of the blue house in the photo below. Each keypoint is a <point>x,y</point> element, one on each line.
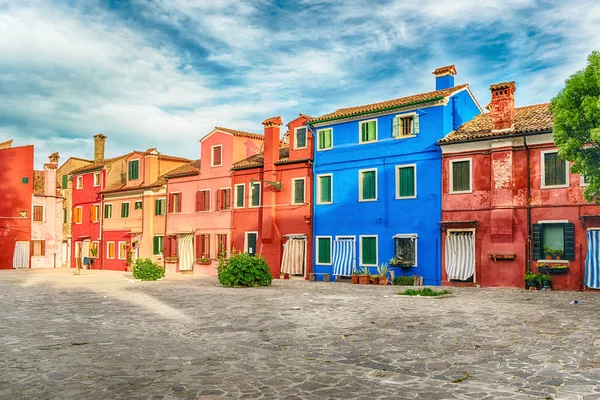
<point>378,181</point>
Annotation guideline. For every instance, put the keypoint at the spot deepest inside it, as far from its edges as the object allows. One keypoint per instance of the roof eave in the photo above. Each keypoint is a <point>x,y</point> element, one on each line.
<point>481,139</point>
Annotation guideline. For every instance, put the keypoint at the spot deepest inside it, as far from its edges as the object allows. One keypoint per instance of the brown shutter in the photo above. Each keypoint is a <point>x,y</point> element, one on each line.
<point>174,247</point>
<point>206,249</point>
<point>198,246</point>
<point>219,199</point>
<point>43,250</point>
<point>171,197</point>
<point>206,200</point>
<point>199,201</point>
<point>167,245</point>
<point>179,202</point>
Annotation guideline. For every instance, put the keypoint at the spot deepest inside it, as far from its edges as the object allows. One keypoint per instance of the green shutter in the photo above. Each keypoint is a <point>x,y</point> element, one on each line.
<point>363,132</point>
<point>396,127</point>
<point>324,251</point>
<point>124,210</point>
<point>406,181</point>
<point>325,138</point>
<point>325,189</point>
<point>415,125</point>
<point>461,177</point>
<point>239,196</point>
<point>156,207</point>
<point>299,191</point>
<point>569,241</point>
<point>155,245</point>
<point>65,181</point>
<point>537,241</point>
<point>369,251</point>
<point>369,190</point>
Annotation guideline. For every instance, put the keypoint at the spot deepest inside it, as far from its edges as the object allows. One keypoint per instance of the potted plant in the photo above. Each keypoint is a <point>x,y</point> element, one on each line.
<point>546,268</point>
<point>171,259</point>
<point>532,280</point>
<point>203,260</point>
<point>364,277</point>
<point>94,254</point>
<point>546,281</point>
<point>549,252</point>
<point>383,271</point>
<point>400,262</point>
<point>355,276</point>
<point>558,254</point>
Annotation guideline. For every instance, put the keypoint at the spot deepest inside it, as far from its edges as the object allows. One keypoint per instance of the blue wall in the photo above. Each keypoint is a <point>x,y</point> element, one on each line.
<point>388,216</point>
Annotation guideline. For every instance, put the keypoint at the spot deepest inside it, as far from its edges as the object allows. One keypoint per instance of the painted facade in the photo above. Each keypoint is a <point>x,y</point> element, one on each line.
<point>378,181</point>
<point>516,200</point>
<point>267,217</point>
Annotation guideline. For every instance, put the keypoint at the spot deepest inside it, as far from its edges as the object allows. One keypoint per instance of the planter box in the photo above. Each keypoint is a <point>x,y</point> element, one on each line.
<point>552,271</point>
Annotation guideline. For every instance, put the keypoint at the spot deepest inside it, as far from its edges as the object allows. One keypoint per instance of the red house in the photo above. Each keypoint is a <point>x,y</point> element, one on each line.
<point>511,205</point>
<point>272,205</point>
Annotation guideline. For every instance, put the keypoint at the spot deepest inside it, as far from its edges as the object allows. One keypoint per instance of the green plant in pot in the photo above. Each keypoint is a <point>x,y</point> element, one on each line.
<point>382,271</point>
<point>355,276</point>
<point>558,254</point>
<point>546,281</point>
<point>364,278</point>
<point>532,280</point>
<point>548,252</point>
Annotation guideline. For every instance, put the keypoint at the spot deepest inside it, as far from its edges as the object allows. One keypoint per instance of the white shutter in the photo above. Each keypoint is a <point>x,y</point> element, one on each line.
<point>396,127</point>
<point>415,125</point>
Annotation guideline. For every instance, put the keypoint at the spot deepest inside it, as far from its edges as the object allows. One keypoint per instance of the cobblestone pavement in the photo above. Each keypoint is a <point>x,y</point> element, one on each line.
<point>103,336</point>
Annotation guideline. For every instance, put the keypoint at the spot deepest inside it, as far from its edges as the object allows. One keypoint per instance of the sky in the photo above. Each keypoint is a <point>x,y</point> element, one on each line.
<point>163,73</point>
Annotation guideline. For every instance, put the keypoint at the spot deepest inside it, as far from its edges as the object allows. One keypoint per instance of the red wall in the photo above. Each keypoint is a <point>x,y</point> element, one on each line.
<point>115,263</point>
<point>15,164</point>
<point>86,197</point>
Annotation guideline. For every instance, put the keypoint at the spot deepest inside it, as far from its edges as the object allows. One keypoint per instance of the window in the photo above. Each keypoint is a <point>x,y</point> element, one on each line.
<point>170,246</point>
<point>584,180</point>
<point>158,245</point>
<point>221,244</point>
<point>95,213</point>
<point>79,182</point>
<point>554,240</point>
<point>406,182</point>
<point>125,210</point>
<point>122,250</point>
<point>137,205</point>
<point>250,243</point>
<point>65,181</point>
<point>368,250</point>
<point>65,215</point>
<point>77,249</point>
<point>216,156</point>
<point>38,248</point>
<point>254,194</point>
<point>175,203</point>
<point>300,138</point>
<point>38,213</point>
<point>77,215</point>
<point>159,206</point>
<point>460,176</point>
<point>110,250</point>
<point>133,170</point>
<point>324,189</point>
<point>367,185</point>
<point>203,245</point>
<point>325,139</point>
<point>203,200</point>
<point>224,199</point>
<point>323,250</point>
<point>368,131</point>
<point>108,211</point>
<point>555,173</point>
<point>239,195</point>
<point>96,178</point>
<point>405,125</point>
<point>94,246</point>
<point>405,249</point>
<point>298,191</point>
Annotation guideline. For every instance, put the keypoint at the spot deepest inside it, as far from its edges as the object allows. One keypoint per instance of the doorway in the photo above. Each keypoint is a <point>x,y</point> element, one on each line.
<point>460,255</point>
<point>293,261</point>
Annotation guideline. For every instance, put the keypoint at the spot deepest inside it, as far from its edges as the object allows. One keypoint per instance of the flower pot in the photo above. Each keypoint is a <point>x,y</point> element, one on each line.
<point>375,281</point>
<point>548,257</point>
<point>364,279</point>
<point>558,257</point>
<point>281,276</point>
<point>355,279</point>
<point>383,280</point>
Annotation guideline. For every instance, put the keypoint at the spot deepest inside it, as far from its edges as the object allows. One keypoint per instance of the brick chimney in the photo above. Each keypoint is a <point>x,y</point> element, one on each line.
<point>502,106</point>
<point>99,147</point>
<point>50,174</point>
<point>271,142</point>
<point>444,77</point>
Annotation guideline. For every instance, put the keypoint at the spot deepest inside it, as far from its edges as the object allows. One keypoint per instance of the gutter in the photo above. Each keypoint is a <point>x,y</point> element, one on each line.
<point>481,139</point>
<point>528,252</point>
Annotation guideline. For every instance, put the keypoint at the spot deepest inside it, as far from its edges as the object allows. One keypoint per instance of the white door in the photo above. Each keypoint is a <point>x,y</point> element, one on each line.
<point>21,255</point>
<point>460,256</point>
<point>294,257</point>
<point>64,256</point>
<point>85,252</point>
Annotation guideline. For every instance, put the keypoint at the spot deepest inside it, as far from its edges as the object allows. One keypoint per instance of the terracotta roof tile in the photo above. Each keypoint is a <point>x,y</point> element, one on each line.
<point>258,160</point>
<point>396,103</point>
<point>447,70</point>
<point>529,119</point>
<point>50,166</point>
<point>273,121</point>
<point>122,187</point>
<point>191,168</point>
<point>240,133</point>
<point>99,164</point>
<point>165,157</point>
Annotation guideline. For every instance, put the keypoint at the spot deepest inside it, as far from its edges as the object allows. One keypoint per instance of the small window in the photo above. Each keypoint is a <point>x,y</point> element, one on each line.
<point>255,194</point>
<point>94,246</point>
<point>122,250</point>
<point>240,193</point>
<point>133,170</point>
<point>405,250</point>
<point>300,138</point>
<point>584,180</point>
<point>108,211</point>
<point>221,244</point>
<point>77,249</point>
<point>65,215</point>
<point>325,139</point>
<point>170,243</point>
<point>96,178</point>
<point>38,248</point>
<point>251,241</point>
<point>406,182</point>
<point>159,207</point>
<point>137,205</point>
<point>203,245</point>
<point>79,182</point>
<point>324,189</point>
<point>298,191</point>
<point>25,180</point>
<point>77,215</point>
<point>323,250</point>
<point>224,199</point>
<point>554,170</point>
<point>125,210</point>
<point>368,250</point>
<point>110,250</point>
<point>216,156</point>
<point>158,245</point>
<point>175,202</point>
<point>367,185</point>
<point>38,213</point>
<point>203,200</point>
<point>368,131</point>
<point>95,213</point>
<point>65,181</point>
<point>405,126</point>
<point>460,176</point>
<point>554,240</point>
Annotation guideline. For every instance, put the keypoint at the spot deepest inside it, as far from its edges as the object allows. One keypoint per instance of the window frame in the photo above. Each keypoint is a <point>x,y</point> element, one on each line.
<point>551,222</point>
<point>128,209</point>
<point>130,163</point>
<point>319,141</point>
<point>360,185</point>
<point>451,175</point>
<point>235,202</point>
<point>160,252</point>
<point>79,182</point>
<point>110,206</point>
<point>398,167</point>
<point>293,199</point>
<point>408,236</point>
<point>317,249</point>
<point>296,147</point>
<point>209,200</point>
<point>77,248</point>
<point>176,203</point>
<point>255,184</point>
<point>65,215</point>
<point>360,124</point>
<point>119,250</point>
<point>97,214</point>
<point>163,202</point>
<point>80,215</point>
<point>410,115</point>
<point>108,256</point>
<point>582,181</point>
<point>246,241</point>
<point>42,244</point>
<point>543,171</point>
<point>136,202</point>
<point>212,155</point>
<point>97,248</point>
<point>33,206</point>
<point>318,191</point>
<point>217,243</point>
<point>220,191</point>
<point>360,246</point>
<point>96,174</point>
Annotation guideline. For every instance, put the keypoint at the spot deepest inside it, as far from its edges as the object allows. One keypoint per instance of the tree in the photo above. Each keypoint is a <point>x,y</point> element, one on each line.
<point>576,128</point>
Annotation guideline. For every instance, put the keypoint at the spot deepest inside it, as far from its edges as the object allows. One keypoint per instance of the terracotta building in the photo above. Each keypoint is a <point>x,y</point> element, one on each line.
<point>510,204</point>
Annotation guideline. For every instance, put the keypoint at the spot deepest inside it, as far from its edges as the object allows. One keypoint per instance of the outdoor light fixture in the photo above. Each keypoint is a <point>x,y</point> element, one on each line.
<point>276,185</point>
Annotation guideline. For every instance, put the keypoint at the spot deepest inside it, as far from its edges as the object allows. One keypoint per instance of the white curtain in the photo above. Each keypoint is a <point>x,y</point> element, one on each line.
<point>185,250</point>
<point>460,255</point>
<point>21,255</point>
<point>293,257</point>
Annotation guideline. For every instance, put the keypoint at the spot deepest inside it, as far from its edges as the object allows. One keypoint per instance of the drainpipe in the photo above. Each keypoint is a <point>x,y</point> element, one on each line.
<point>166,216</point>
<point>311,165</point>
<point>528,252</point>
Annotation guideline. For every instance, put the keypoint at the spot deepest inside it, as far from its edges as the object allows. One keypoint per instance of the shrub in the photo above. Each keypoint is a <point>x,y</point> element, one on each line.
<point>404,281</point>
<point>424,292</point>
<point>242,269</point>
<point>146,270</point>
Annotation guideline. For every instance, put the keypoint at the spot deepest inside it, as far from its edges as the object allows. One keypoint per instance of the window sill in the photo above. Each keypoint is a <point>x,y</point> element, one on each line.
<point>553,261</point>
<point>462,192</point>
<point>366,201</point>
<point>328,148</point>
<point>300,148</point>
<point>405,137</point>
<point>406,197</point>
<point>554,186</point>
<point>369,142</point>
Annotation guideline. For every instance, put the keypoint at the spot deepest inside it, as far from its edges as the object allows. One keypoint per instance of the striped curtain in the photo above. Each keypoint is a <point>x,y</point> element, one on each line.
<point>293,257</point>
<point>344,258</point>
<point>460,257</point>
<point>592,261</point>
<point>185,250</point>
<point>21,255</point>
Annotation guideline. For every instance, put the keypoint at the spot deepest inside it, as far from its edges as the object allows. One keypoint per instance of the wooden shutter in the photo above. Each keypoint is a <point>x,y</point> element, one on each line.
<point>155,245</point>
<point>65,181</point>
<point>369,250</point>
<point>415,125</point>
<point>206,247</point>
<point>156,207</point>
<point>174,249</point>
<point>406,176</point>
<point>228,198</point>
<point>92,213</point>
<point>325,189</point>
<point>537,241</point>
<point>171,201</point>
<point>368,185</point>
<point>569,231</point>
<point>179,202</point>
<point>198,246</point>
<point>299,191</point>
<point>219,196</point>
<point>199,201</point>
<point>324,256</point>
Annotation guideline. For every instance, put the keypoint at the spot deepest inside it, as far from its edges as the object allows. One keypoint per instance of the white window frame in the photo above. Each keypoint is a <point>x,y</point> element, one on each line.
<point>360,124</point>
<point>360,244</point>
<point>43,213</point>
<point>96,174</point>
<point>412,115</point>
<point>318,200</point>
<point>79,182</point>
<point>582,181</point>
<point>321,130</point>
<point>81,214</point>
<point>543,171</point>
<point>163,200</point>
<point>451,173</point>
<point>98,214</point>
<point>294,190</point>
<point>235,195</point>
<point>296,147</point>
<point>161,252</point>
<point>246,241</point>
<point>408,236</point>
<point>111,210</point>
<point>128,210</point>
<point>176,202</point>
<point>360,184</point>
<point>108,257</point>
<point>330,249</point>
<point>119,251</point>
<point>259,184</point>
<point>212,155</point>
<point>398,197</point>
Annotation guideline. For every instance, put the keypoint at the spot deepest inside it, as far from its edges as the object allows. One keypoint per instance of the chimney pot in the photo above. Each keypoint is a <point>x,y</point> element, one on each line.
<point>99,147</point>
<point>444,77</point>
<point>271,142</point>
<point>502,106</point>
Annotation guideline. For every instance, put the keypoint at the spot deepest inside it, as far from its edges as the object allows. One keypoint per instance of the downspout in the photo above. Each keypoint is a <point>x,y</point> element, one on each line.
<point>166,216</point>
<point>528,252</point>
<point>313,200</point>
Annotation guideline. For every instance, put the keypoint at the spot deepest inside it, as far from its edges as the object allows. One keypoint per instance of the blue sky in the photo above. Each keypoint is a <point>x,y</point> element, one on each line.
<point>158,73</point>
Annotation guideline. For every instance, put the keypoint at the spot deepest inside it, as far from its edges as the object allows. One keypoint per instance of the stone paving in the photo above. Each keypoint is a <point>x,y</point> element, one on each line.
<point>102,335</point>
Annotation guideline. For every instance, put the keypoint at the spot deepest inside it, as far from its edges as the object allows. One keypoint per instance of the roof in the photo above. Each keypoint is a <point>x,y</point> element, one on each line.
<point>191,168</point>
<point>390,104</point>
<point>240,133</point>
<point>258,160</point>
<point>123,187</point>
<point>6,145</point>
<point>39,185</point>
<point>529,119</point>
<point>447,70</point>
<point>272,121</point>
<point>99,164</point>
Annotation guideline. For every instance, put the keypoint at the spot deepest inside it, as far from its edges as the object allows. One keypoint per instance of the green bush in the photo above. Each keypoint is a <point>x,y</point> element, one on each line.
<point>242,269</point>
<point>424,292</point>
<point>146,270</point>
<point>404,281</point>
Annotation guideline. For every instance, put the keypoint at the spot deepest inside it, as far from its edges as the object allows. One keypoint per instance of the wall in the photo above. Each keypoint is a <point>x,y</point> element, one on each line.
<point>115,263</point>
<point>50,230</point>
<point>86,197</point>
